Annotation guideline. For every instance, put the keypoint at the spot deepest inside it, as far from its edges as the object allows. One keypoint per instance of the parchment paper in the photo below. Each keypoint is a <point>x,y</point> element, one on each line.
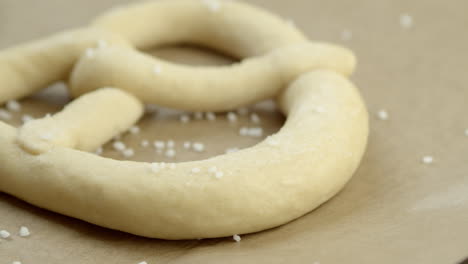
<point>395,209</point>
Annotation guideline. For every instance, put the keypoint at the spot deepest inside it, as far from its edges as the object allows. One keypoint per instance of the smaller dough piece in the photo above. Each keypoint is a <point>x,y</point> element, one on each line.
<point>27,68</point>
<point>84,124</point>
<point>205,88</point>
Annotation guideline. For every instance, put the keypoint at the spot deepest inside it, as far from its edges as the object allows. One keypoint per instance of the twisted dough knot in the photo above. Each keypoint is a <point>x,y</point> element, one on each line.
<point>283,177</point>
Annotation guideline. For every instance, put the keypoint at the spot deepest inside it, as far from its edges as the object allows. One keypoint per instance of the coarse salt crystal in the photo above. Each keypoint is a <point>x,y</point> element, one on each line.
<point>158,144</point>
<point>187,145</point>
<point>406,21</point>
<point>170,144</point>
<point>172,166</point>
<point>144,143</point>
<point>272,142</point>
<point>236,238</point>
<point>26,118</point>
<point>427,159</point>
<point>13,106</point>
<point>98,151</point>
<point>255,132</point>
<point>242,111</point>
<point>466,132</point>
<point>255,118</point>
<point>90,53</point>
<point>184,118</point>
<point>244,131</point>
<point>157,69</point>
<point>231,117</point>
<point>16,262</point>
<point>219,174</point>
<point>346,35</point>
<point>231,150</point>
<point>4,234</point>
<point>134,130</point>
<point>24,231</point>
<point>198,147</point>
<point>102,44</point>
<point>382,115</point>
<point>195,170</point>
<point>210,116</point>
<point>5,115</point>
<point>170,153</point>
<point>213,169</point>
<point>213,5</point>
<point>119,145</point>
<point>128,153</point>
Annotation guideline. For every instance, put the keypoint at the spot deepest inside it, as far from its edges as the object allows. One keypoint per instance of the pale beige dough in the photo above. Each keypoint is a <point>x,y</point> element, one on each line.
<point>287,175</point>
<point>84,124</point>
<point>205,88</point>
<point>27,68</point>
<point>303,165</point>
<point>235,28</point>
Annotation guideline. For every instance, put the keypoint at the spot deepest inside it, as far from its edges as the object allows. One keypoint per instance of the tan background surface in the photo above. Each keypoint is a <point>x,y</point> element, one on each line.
<point>394,210</point>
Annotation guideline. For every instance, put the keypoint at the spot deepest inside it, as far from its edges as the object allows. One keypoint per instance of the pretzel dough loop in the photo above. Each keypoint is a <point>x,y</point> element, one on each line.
<point>281,178</point>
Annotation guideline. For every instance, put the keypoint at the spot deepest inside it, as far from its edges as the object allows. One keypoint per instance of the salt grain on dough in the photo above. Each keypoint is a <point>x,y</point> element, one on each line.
<point>26,118</point>
<point>98,151</point>
<point>157,69</point>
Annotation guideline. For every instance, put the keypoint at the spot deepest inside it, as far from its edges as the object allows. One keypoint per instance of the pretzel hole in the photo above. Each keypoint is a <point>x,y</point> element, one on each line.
<point>190,54</point>
<point>162,124</point>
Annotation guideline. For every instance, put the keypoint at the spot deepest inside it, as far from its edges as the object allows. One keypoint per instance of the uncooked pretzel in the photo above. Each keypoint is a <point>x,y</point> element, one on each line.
<point>287,175</point>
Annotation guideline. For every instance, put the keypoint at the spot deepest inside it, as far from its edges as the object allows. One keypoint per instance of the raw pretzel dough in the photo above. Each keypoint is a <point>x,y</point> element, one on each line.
<point>287,175</point>
<point>303,165</point>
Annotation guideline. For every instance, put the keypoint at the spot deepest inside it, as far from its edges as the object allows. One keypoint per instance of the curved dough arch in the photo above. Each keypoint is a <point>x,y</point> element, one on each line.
<point>303,165</point>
